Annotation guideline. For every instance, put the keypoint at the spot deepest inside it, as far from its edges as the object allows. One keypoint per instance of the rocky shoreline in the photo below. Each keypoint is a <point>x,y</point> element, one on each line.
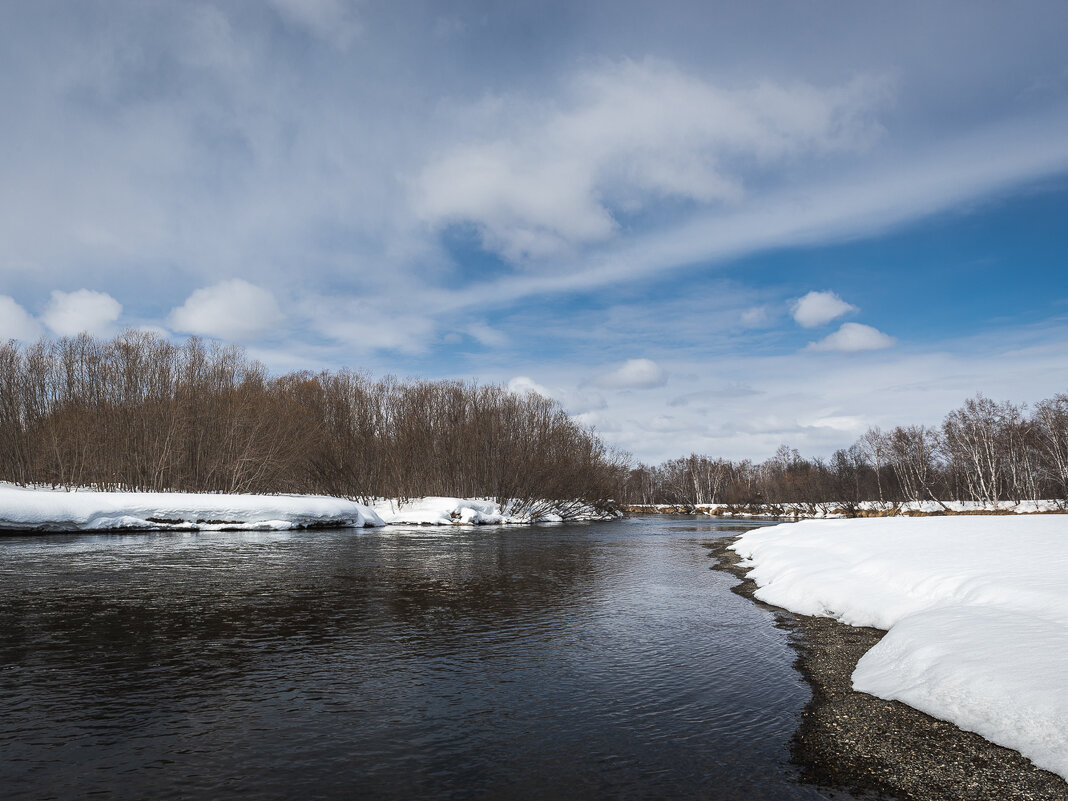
<point>854,741</point>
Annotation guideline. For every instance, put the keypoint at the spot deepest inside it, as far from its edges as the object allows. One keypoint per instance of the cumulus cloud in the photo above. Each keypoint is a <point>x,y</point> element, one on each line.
<point>852,337</point>
<point>525,385</point>
<point>16,322</point>
<point>233,310</point>
<point>627,135</point>
<point>817,308</point>
<point>634,374</point>
<point>85,311</point>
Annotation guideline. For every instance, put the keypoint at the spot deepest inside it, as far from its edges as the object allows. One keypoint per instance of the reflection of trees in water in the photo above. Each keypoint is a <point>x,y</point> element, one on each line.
<point>149,620</point>
<point>564,661</point>
<point>502,577</point>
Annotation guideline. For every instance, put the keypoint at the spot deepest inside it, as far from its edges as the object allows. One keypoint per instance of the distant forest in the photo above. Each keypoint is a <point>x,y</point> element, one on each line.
<point>984,451</point>
<point>140,413</point>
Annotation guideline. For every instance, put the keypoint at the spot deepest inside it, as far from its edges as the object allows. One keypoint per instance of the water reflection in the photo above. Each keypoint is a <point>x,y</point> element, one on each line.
<point>555,662</point>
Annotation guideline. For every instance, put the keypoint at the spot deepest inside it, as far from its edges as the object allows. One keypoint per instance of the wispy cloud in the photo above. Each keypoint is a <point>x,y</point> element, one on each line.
<point>633,374</point>
<point>624,137</point>
<point>482,197</point>
<point>861,202</point>
<point>819,404</point>
<point>336,21</point>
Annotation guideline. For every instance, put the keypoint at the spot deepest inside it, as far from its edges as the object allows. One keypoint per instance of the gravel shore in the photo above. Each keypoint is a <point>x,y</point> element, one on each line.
<point>861,743</point>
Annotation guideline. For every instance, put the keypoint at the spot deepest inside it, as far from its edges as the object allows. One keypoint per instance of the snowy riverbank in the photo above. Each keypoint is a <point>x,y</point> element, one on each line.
<point>833,510</point>
<point>37,509</point>
<point>86,510</point>
<point>443,511</point>
<point>976,608</point>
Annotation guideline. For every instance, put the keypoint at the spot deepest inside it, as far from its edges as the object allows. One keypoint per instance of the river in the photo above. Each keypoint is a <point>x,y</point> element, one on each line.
<point>581,661</point>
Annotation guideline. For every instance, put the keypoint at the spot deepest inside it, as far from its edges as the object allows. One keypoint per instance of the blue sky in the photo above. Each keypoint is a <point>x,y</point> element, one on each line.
<point>701,227</point>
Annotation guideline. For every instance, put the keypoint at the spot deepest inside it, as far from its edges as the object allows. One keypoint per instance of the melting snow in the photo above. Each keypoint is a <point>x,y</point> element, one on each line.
<point>976,608</point>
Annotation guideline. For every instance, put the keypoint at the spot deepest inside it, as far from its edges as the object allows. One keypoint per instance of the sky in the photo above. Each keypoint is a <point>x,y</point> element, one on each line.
<point>701,227</point>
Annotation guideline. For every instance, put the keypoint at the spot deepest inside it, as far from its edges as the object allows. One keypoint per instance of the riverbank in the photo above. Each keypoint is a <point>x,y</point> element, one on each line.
<point>856,741</point>
<point>835,510</point>
<point>82,509</point>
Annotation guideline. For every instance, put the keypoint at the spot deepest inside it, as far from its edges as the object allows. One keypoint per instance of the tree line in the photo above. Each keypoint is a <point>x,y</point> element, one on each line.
<point>983,451</point>
<point>138,412</point>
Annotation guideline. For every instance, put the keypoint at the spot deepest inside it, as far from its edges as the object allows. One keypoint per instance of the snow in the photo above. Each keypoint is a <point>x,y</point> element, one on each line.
<point>976,608</point>
<point>40,509</point>
<point>85,510</point>
<point>444,511</point>
<point>833,510</point>
<point>974,507</point>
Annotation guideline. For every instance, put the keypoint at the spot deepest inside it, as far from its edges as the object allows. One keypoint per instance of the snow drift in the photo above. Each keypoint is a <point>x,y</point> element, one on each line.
<point>976,608</point>
<point>444,511</point>
<point>36,509</point>
<point>46,510</point>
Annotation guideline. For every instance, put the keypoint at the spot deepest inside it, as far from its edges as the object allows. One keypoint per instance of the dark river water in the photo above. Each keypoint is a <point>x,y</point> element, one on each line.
<point>572,661</point>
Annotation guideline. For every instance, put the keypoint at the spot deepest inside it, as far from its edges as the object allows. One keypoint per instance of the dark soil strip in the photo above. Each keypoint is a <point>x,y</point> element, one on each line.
<point>854,741</point>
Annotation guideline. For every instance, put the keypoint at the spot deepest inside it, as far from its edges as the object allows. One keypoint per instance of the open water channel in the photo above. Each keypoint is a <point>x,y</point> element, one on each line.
<point>579,661</point>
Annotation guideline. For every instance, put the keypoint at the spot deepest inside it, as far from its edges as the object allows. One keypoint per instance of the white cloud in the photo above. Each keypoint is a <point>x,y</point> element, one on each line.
<point>16,322</point>
<point>598,422</point>
<point>582,403</point>
<point>851,204</point>
<point>820,410</point>
<point>664,424</point>
<point>849,424</point>
<point>755,317</point>
<point>525,385</point>
<point>366,326</point>
<point>486,335</point>
<point>853,337</point>
<point>817,308</point>
<point>634,374</point>
<point>581,400</point>
<point>153,330</point>
<point>72,313</point>
<point>627,135</point>
<point>233,310</point>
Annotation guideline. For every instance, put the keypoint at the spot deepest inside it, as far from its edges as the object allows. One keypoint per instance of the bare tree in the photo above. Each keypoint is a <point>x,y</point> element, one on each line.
<point>1051,439</point>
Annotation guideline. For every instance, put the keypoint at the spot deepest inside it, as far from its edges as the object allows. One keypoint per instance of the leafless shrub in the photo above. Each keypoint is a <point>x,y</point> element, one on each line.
<point>984,451</point>
<point>138,412</point>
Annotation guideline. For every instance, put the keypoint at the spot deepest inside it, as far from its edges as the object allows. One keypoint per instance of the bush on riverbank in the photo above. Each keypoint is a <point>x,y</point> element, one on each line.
<point>140,413</point>
<point>984,453</point>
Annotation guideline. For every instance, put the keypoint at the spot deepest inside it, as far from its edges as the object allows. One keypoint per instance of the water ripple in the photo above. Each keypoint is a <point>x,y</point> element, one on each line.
<point>541,663</point>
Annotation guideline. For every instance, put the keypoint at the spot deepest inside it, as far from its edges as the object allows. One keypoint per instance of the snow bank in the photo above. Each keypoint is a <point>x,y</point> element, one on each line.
<point>86,510</point>
<point>971,507</point>
<point>830,510</point>
<point>976,607</point>
<point>38,509</point>
<point>443,511</point>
